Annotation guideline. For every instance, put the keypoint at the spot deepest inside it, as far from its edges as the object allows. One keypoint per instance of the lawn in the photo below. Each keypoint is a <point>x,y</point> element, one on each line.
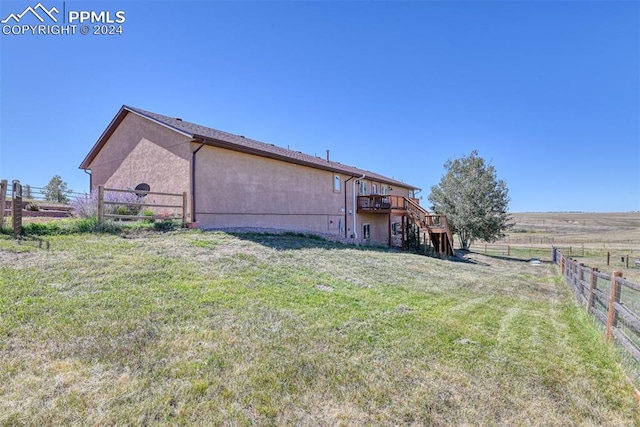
<point>209,328</point>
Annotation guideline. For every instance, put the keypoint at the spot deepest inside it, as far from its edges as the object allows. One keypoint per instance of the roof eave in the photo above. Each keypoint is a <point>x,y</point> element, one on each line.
<point>119,117</point>
<point>235,147</point>
<point>103,138</point>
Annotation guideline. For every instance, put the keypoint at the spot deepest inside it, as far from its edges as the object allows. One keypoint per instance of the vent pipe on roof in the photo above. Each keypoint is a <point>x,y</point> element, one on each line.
<point>178,119</point>
<point>327,155</point>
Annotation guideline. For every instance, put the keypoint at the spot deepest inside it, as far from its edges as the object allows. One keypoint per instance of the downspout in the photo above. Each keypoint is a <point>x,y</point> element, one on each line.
<point>193,182</point>
<point>90,180</point>
<point>345,206</point>
<point>355,233</point>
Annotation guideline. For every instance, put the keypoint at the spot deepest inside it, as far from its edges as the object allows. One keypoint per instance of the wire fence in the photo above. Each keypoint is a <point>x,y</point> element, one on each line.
<point>626,260</point>
<point>613,301</point>
<point>43,194</point>
<point>511,251</point>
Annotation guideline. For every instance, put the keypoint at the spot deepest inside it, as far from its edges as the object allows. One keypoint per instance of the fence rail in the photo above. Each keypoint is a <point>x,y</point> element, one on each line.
<point>131,208</point>
<point>514,251</point>
<point>42,194</point>
<point>613,300</point>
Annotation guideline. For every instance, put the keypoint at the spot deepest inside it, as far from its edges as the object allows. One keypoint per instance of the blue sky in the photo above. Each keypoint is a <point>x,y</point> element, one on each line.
<point>547,91</point>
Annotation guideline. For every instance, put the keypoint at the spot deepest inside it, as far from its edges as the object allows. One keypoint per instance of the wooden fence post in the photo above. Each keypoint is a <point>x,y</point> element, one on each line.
<point>608,257</point>
<point>3,198</point>
<point>576,279</point>
<point>184,209</point>
<point>100,203</point>
<point>508,250</point>
<point>580,277</point>
<point>16,208</point>
<point>592,286</point>
<point>614,296</point>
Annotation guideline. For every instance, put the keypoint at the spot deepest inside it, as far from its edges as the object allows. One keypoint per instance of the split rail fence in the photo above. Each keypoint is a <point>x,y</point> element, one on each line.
<point>108,207</point>
<point>612,299</point>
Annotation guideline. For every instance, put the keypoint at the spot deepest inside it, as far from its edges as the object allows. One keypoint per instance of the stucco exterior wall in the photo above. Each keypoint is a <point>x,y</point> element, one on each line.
<point>139,151</point>
<point>242,190</point>
<point>235,189</point>
<point>378,229</point>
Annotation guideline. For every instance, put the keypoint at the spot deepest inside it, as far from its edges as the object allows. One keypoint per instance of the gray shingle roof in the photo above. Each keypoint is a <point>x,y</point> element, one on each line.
<point>240,143</point>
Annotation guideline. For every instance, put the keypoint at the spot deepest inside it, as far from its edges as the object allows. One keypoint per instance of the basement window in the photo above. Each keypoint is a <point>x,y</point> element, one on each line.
<point>366,231</point>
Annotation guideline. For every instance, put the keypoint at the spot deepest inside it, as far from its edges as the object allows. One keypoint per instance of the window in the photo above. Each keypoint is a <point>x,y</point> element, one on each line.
<point>362,188</point>
<point>394,228</point>
<point>384,189</point>
<point>374,188</point>
<point>366,231</point>
<point>336,183</point>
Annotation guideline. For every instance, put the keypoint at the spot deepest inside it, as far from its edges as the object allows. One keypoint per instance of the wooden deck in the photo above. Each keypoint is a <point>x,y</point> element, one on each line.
<point>436,226</point>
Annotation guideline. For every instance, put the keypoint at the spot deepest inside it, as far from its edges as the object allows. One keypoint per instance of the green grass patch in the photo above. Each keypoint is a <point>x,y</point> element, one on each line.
<point>204,328</point>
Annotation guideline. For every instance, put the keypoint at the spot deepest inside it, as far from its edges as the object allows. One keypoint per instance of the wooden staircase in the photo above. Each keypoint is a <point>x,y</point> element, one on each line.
<point>436,226</point>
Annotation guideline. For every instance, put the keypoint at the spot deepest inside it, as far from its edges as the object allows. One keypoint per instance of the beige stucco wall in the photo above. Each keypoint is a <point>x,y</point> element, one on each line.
<point>378,228</point>
<point>243,190</point>
<point>235,189</point>
<point>140,150</point>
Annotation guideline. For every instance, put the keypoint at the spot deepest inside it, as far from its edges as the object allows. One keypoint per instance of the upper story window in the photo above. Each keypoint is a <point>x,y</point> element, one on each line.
<point>384,189</point>
<point>336,183</point>
<point>363,190</point>
<point>374,188</point>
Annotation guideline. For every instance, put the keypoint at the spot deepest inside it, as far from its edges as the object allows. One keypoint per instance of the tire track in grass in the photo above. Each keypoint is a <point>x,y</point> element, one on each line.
<point>506,323</point>
<point>467,306</point>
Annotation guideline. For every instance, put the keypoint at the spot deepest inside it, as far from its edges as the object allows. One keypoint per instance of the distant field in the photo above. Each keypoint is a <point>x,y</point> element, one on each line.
<point>195,328</point>
<point>597,230</point>
<point>587,237</point>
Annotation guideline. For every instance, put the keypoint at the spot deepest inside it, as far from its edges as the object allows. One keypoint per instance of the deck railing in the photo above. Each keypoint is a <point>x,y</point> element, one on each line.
<point>380,203</point>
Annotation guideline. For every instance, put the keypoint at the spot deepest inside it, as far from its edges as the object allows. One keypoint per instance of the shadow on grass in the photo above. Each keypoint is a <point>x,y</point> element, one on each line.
<point>33,241</point>
<point>285,241</point>
<point>292,241</point>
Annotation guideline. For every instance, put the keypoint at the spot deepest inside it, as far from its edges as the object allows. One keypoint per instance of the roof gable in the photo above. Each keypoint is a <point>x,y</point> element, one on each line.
<point>240,143</point>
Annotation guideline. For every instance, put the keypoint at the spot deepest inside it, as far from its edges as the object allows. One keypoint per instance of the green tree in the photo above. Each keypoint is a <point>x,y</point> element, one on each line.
<point>474,200</point>
<point>56,190</point>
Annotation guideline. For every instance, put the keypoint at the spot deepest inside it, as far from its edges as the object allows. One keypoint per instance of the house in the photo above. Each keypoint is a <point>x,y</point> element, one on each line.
<point>233,181</point>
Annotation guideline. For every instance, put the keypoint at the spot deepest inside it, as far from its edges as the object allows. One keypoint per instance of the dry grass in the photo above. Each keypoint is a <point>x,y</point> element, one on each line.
<point>587,237</point>
<point>216,329</point>
<point>594,230</point>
